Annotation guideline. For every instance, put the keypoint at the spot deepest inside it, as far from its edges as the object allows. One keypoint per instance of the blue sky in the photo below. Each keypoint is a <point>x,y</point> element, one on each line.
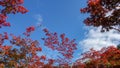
<point>61,16</point>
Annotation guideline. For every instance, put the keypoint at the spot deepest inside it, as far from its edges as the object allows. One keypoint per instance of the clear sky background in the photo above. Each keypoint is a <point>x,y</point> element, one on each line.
<point>61,16</point>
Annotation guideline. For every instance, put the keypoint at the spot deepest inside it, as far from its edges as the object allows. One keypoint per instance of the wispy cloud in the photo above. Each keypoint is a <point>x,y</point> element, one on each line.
<point>39,23</point>
<point>95,39</point>
<point>39,19</point>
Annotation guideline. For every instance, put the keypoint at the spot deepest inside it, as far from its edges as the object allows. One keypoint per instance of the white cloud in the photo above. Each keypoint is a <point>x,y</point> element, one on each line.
<point>39,20</point>
<point>39,17</point>
<point>95,39</point>
<point>39,23</point>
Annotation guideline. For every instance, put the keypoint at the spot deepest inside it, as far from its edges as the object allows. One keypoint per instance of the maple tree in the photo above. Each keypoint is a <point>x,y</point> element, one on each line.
<point>22,51</point>
<point>103,13</point>
<point>8,7</point>
<point>118,46</point>
<point>66,47</point>
<point>106,57</point>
